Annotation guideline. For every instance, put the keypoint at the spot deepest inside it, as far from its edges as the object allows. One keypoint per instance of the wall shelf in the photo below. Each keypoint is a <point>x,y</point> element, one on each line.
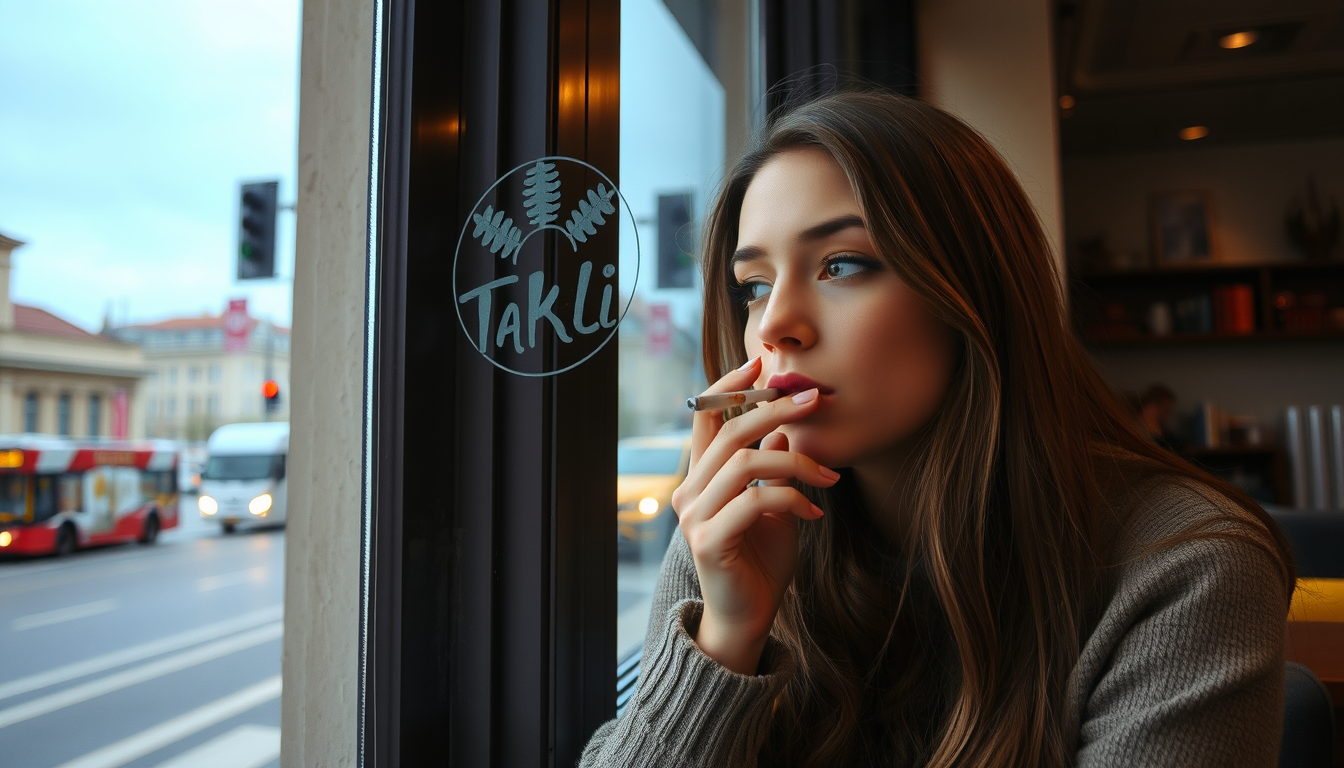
<point>1111,308</point>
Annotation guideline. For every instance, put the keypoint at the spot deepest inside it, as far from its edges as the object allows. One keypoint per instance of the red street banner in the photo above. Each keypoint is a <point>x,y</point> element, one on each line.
<point>236,326</point>
<point>121,417</point>
<point>658,331</point>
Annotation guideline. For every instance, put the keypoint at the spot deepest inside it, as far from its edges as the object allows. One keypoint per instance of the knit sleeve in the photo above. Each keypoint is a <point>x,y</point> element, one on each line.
<point>1187,662</point>
<point>688,710</point>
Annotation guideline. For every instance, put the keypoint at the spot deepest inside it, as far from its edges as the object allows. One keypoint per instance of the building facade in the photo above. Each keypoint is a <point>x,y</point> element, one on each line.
<point>57,378</point>
<point>195,385</point>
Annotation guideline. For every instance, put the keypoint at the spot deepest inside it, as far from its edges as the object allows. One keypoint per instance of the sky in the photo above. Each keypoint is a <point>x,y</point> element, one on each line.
<point>126,127</point>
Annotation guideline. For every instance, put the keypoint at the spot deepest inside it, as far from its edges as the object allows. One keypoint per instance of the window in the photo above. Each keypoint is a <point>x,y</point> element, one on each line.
<point>216,374</point>
<point>212,405</point>
<point>44,497</point>
<point>170,407</point>
<point>153,407</point>
<point>194,373</point>
<point>30,410</point>
<point>96,414</point>
<point>668,176</point>
<point>172,375</point>
<point>191,405</point>
<point>63,415</point>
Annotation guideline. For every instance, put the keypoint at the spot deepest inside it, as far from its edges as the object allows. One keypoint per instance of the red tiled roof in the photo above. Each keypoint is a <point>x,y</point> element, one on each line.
<point>201,321</point>
<point>41,322</point>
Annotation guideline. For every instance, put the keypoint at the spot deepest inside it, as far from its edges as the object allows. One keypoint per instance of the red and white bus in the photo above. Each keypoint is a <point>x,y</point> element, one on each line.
<point>57,495</point>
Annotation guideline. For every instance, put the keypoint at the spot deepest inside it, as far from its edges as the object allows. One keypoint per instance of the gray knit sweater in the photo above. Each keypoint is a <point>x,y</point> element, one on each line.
<point>1184,666</point>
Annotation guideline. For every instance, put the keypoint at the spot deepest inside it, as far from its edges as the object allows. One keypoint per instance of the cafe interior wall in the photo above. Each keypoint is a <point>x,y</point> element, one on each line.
<point>1251,186</point>
<point>1141,72</point>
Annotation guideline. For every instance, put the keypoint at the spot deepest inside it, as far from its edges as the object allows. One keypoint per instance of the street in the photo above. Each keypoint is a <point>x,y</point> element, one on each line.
<point>162,656</point>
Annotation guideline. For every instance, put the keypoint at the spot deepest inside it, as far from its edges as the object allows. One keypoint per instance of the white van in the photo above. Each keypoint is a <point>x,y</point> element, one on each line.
<point>243,484</point>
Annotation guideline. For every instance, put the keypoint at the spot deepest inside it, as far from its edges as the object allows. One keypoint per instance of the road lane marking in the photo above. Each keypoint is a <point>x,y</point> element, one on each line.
<point>165,733</point>
<point>143,651</point>
<point>60,615</point>
<point>231,579</point>
<point>247,746</point>
<point>65,579</point>
<point>124,679</point>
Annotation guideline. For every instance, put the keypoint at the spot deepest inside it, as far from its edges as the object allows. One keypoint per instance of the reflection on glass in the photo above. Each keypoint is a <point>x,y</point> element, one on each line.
<point>672,151</point>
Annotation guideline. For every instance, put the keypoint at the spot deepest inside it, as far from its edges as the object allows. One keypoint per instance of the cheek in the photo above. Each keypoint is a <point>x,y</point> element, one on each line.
<point>905,359</point>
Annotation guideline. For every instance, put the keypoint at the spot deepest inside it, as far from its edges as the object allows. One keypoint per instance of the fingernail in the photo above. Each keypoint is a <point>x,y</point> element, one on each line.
<point>749,363</point>
<point>817,510</point>
<point>830,474</point>
<point>805,397</point>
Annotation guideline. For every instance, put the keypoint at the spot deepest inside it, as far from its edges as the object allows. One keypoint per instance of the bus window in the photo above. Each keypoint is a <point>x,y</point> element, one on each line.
<point>44,498</point>
<point>70,494</point>
<point>278,468</point>
<point>12,498</point>
<point>156,483</point>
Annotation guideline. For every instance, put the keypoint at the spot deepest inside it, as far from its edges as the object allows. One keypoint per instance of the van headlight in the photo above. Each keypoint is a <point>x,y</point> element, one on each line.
<point>207,505</point>
<point>260,505</point>
<point>648,506</point>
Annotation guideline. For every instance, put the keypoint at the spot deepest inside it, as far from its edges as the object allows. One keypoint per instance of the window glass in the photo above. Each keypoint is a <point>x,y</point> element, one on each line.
<point>258,467</point>
<point>126,132</point>
<point>30,412</point>
<point>13,497</point>
<point>95,415</point>
<point>672,153</point>
<point>63,415</point>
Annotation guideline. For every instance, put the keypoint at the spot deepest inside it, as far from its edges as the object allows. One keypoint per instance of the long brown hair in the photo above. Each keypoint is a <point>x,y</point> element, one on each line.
<point>954,649</point>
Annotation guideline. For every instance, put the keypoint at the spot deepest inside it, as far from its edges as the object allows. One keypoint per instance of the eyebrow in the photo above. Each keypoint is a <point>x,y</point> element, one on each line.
<point>813,233</point>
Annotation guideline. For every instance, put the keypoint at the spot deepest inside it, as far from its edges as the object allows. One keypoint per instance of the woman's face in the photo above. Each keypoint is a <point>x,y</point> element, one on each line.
<point>824,310</point>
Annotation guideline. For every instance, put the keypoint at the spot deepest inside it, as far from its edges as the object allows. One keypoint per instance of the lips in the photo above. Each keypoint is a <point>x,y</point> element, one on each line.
<point>792,383</point>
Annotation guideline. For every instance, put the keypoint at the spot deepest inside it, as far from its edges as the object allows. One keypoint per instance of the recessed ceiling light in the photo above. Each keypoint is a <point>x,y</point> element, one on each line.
<point>1239,39</point>
<point>1194,132</point>
<point>1066,102</point>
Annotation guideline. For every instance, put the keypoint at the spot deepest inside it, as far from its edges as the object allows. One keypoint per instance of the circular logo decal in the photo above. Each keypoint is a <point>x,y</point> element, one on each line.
<point>521,314</point>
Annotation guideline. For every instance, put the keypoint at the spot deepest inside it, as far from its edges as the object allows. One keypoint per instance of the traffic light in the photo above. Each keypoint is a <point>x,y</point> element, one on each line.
<point>256,230</point>
<point>271,391</point>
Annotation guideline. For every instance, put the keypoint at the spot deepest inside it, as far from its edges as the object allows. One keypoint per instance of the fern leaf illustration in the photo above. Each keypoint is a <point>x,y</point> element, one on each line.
<point>497,233</point>
<point>585,221</point>
<point>542,193</point>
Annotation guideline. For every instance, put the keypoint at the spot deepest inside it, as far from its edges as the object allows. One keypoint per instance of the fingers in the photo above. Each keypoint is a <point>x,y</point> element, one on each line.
<point>752,426</point>
<point>758,503</point>
<point>747,465</point>
<point>705,424</point>
<point>775,441</point>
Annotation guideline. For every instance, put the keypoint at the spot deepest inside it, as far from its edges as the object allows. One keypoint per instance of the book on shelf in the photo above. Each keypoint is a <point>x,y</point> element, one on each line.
<point>1234,310</point>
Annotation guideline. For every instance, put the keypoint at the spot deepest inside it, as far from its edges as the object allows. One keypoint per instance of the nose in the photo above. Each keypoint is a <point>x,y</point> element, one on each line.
<point>787,324</point>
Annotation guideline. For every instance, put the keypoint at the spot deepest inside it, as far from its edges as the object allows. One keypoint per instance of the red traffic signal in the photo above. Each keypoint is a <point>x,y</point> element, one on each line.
<point>270,389</point>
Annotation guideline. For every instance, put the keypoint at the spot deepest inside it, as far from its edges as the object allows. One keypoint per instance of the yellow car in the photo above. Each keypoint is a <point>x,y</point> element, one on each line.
<point>648,470</point>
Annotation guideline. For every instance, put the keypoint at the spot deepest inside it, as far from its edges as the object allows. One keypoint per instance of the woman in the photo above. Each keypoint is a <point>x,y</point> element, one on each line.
<point>948,544</point>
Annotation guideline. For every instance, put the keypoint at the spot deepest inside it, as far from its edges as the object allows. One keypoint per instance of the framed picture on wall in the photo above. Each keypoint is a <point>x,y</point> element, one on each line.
<point>1182,227</point>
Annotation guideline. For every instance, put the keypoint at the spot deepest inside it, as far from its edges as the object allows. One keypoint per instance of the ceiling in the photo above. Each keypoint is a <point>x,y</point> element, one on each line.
<point>1141,70</point>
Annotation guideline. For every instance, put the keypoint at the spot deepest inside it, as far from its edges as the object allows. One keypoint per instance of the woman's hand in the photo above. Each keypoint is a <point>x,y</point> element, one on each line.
<point>744,538</point>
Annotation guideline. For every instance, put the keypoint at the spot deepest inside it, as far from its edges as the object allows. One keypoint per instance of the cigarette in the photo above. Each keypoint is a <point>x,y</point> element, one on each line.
<point>729,399</point>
